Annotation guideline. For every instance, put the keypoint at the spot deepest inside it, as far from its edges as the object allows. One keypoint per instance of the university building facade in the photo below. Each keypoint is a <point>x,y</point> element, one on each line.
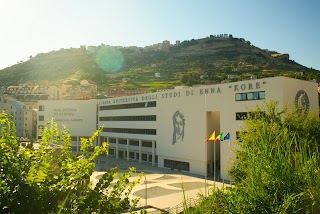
<point>169,128</point>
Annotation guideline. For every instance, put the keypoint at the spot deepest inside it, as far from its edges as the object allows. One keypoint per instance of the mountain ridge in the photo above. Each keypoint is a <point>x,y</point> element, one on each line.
<point>196,61</point>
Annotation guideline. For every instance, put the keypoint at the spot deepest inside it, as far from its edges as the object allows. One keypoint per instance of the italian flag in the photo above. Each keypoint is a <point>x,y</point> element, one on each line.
<point>219,137</point>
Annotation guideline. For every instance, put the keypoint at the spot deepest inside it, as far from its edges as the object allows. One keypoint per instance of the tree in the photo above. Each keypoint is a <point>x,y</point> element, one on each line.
<point>52,179</point>
<point>277,166</point>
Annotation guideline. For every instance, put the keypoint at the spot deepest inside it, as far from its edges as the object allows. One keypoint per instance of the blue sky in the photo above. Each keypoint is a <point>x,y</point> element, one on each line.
<point>28,27</point>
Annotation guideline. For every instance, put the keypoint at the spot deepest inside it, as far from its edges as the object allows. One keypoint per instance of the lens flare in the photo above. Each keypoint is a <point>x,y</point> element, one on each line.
<point>109,59</point>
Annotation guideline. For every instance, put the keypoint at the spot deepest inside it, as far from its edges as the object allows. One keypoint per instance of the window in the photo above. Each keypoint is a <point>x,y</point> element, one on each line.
<point>131,131</point>
<point>112,140</point>
<point>241,115</point>
<point>41,117</point>
<point>147,144</point>
<point>179,165</point>
<point>134,143</point>
<point>250,96</point>
<point>256,95</point>
<point>41,108</point>
<point>131,155</point>
<point>129,118</point>
<point>40,127</point>
<point>260,95</point>
<point>129,106</point>
<point>238,97</point>
<point>111,152</point>
<point>122,141</point>
<point>144,157</point>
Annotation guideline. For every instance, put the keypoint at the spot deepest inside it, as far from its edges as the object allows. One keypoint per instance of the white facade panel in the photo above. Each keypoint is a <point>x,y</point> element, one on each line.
<point>79,116</point>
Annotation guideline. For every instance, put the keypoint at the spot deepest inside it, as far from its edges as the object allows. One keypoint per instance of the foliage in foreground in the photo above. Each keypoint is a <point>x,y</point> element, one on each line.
<point>49,180</point>
<point>277,169</point>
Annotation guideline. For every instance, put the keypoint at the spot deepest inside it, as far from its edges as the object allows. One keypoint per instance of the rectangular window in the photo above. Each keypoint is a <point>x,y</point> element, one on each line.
<point>144,157</point>
<point>241,115</point>
<point>238,97</point>
<point>41,108</point>
<point>111,152</point>
<point>112,140</point>
<point>131,155</point>
<point>129,106</point>
<point>244,96</point>
<point>134,143</point>
<point>129,118</point>
<point>256,96</point>
<point>250,96</point>
<point>147,144</point>
<point>131,131</point>
<point>179,165</point>
<point>122,141</point>
<point>40,127</point>
<point>41,117</point>
<point>259,95</point>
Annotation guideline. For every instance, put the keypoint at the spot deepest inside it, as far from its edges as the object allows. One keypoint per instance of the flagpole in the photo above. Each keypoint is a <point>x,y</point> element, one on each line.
<point>205,172</point>
<point>214,165</point>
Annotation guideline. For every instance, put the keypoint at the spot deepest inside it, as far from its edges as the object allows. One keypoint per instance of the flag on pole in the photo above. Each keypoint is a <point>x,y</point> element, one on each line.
<point>219,137</point>
<point>212,136</point>
<point>227,137</point>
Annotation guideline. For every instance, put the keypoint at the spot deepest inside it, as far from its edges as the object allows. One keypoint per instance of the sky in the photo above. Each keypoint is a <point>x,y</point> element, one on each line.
<point>29,27</point>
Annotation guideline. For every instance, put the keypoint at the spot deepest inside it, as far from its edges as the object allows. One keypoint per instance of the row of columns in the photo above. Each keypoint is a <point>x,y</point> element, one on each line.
<point>140,150</point>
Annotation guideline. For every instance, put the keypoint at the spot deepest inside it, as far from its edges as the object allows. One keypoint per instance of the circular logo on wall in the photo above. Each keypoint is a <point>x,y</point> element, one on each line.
<point>302,100</point>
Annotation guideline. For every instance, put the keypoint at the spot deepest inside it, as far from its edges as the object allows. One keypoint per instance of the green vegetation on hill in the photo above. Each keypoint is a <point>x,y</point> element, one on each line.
<point>201,61</point>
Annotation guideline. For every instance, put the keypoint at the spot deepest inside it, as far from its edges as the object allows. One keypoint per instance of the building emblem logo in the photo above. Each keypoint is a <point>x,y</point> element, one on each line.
<point>178,127</point>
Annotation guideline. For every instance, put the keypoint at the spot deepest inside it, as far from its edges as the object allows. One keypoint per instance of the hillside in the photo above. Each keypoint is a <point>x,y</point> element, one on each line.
<point>206,60</point>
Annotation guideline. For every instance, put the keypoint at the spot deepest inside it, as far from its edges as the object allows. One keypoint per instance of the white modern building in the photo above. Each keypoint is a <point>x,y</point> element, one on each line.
<point>169,128</point>
<point>79,117</point>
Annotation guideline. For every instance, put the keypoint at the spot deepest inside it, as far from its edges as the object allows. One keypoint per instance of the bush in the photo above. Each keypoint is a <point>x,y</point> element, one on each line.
<point>277,169</point>
<point>53,180</point>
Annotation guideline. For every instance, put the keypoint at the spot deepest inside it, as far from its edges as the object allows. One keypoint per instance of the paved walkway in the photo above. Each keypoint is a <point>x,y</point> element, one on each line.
<point>160,187</point>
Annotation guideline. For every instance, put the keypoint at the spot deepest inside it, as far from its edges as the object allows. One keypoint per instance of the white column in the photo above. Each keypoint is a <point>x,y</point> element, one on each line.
<point>117,148</point>
<point>153,153</point>
<point>140,151</point>
<point>128,149</point>
<point>99,143</point>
